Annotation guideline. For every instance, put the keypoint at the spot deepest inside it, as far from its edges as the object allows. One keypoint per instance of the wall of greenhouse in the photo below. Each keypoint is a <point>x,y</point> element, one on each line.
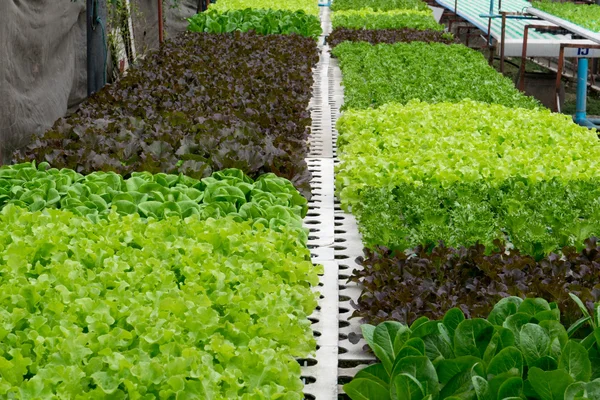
<point>43,69</point>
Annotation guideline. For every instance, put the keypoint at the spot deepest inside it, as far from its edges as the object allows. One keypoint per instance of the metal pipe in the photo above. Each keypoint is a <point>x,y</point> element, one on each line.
<point>468,36</point>
<point>502,37</point>
<point>160,22</point>
<point>523,59</point>
<point>581,102</point>
<point>559,71</point>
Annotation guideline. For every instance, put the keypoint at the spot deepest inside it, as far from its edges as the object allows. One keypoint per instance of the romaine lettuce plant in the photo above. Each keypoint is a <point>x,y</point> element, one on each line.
<point>367,18</point>
<point>520,351</point>
<point>264,22</point>
<point>433,73</point>
<point>139,309</point>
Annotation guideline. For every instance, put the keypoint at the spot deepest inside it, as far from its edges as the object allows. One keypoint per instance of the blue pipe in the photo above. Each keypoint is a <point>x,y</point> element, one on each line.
<point>581,110</point>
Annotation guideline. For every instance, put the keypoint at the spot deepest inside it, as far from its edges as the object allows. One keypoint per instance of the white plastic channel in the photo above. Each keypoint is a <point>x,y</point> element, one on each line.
<point>320,374</point>
<point>334,242</point>
<point>352,357</point>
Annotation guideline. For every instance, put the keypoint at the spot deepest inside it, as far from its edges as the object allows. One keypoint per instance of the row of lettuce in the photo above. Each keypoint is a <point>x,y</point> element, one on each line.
<point>151,244</point>
<point>470,197</point>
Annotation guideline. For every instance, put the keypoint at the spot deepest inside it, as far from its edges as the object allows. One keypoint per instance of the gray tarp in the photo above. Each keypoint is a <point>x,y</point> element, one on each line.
<point>43,59</point>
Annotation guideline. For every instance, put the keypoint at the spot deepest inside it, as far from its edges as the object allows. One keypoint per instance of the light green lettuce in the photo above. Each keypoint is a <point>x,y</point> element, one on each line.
<point>367,18</point>
<point>446,143</point>
<point>308,6</point>
<point>139,309</point>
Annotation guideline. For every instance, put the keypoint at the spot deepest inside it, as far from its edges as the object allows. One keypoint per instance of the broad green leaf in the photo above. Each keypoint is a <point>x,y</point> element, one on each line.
<point>375,372</point>
<point>366,389</point>
<point>472,337</point>
<point>534,343</point>
<point>574,359</point>
<point>481,388</point>
<point>533,306</point>
<point>511,388</point>
<point>452,319</point>
<point>558,336</point>
<point>408,387</point>
<point>416,343</point>
<point>581,390</point>
<point>514,323</point>
<point>549,385</point>
<point>455,375</point>
<point>508,360</point>
<point>422,370</point>
<point>385,335</point>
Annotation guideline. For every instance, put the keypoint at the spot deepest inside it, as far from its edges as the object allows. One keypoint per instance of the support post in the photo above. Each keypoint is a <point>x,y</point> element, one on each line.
<point>582,76</point>
<point>160,22</point>
<point>96,45</point>
<point>559,72</point>
<point>523,60</point>
<point>502,39</point>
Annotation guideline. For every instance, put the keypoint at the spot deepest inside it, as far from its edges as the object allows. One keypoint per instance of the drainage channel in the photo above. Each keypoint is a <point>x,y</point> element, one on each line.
<point>334,242</point>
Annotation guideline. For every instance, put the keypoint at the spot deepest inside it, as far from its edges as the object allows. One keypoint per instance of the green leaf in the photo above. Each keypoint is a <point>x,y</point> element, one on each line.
<point>408,387</point>
<point>533,306</point>
<point>452,319</point>
<point>482,388</point>
<point>455,375</point>
<point>534,342</point>
<point>422,370</point>
<point>546,363</point>
<point>581,390</point>
<point>375,372</point>
<point>583,308</point>
<point>511,388</point>
<point>366,389</point>
<point>514,323</point>
<point>125,207</point>
<point>503,309</point>
<point>578,325</point>
<point>384,337</point>
<point>416,343</point>
<point>574,359</point>
<point>508,360</point>
<point>558,336</point>
<point>472,337</point>
<point>549,385</point>
<point>150,209</point>
<point>368,332</point>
